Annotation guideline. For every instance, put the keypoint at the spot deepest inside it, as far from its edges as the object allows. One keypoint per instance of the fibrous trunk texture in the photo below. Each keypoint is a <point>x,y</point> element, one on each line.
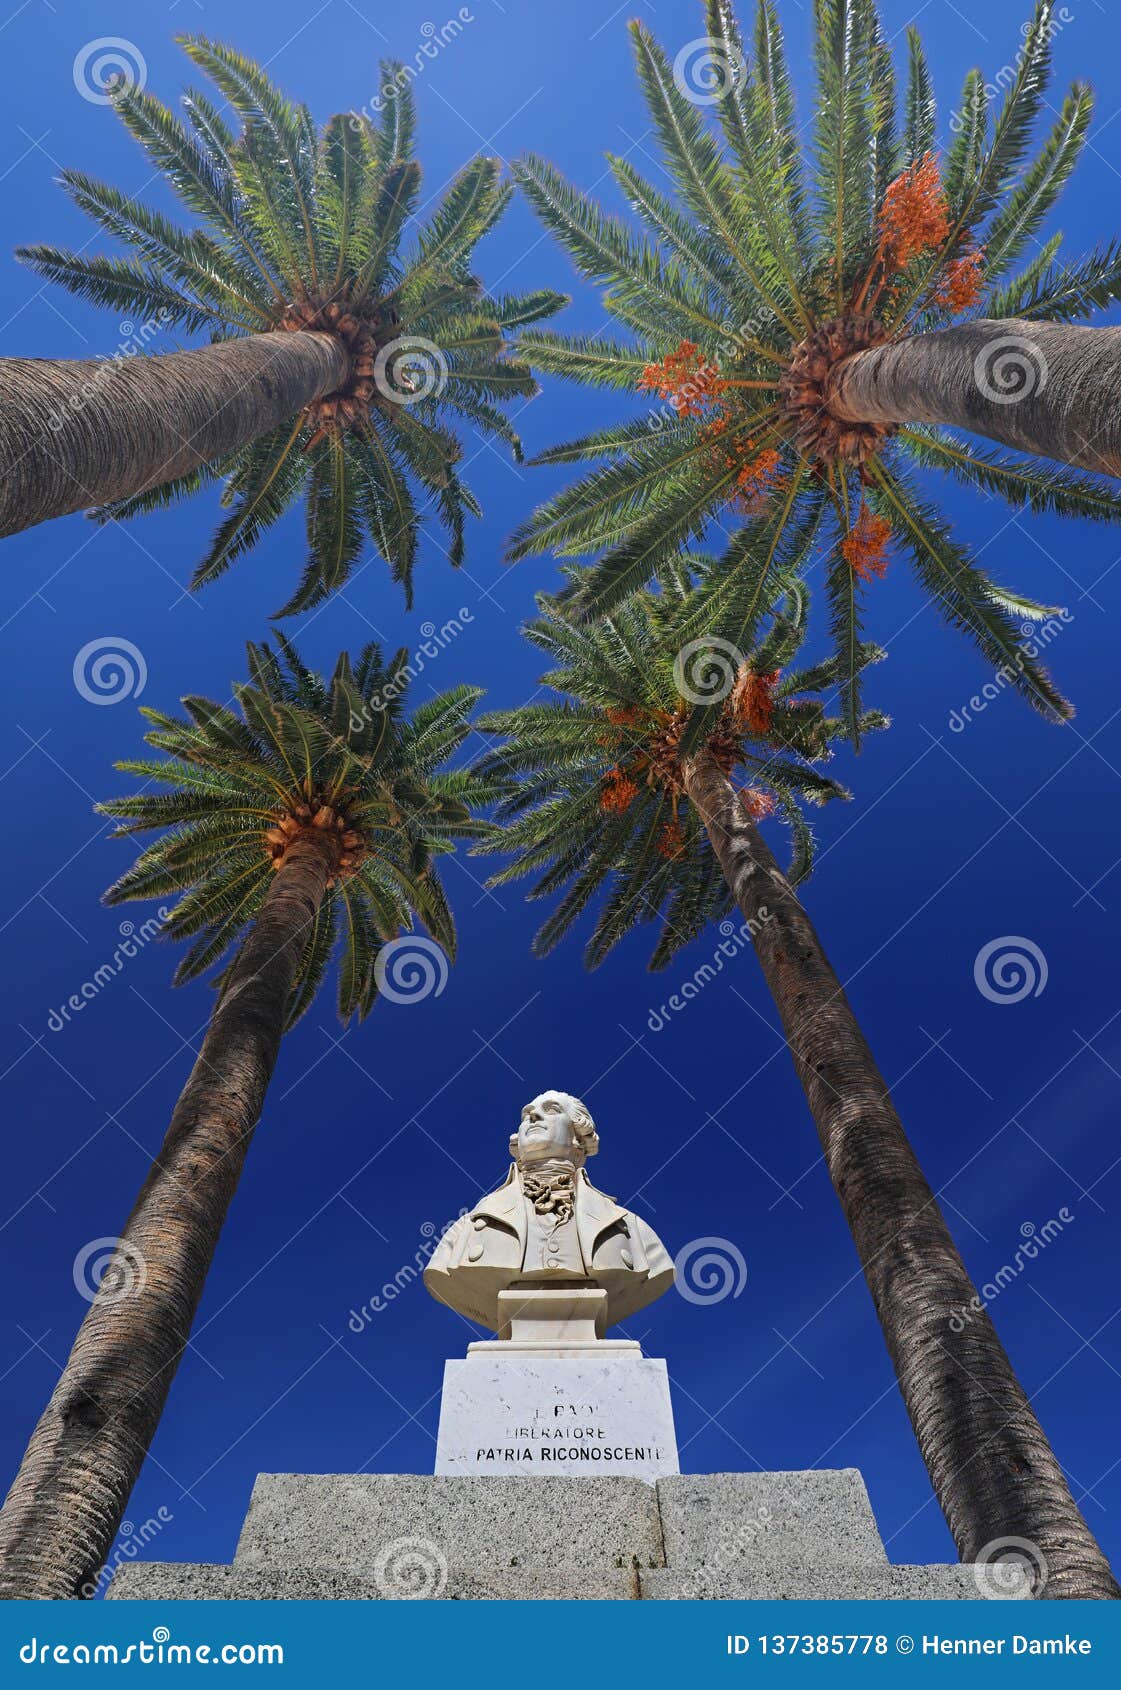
<point>1044,388</point>
<point>993,1471</point>
<point>63,1510</point>
<point>76,433</point>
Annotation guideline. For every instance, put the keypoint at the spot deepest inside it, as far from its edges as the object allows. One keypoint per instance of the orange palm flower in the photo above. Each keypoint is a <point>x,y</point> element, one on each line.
<point>864,547</point>
<point>914,214</point>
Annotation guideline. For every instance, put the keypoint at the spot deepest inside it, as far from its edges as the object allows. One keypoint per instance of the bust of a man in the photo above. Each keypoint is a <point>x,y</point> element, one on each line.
<point>549,1226</point>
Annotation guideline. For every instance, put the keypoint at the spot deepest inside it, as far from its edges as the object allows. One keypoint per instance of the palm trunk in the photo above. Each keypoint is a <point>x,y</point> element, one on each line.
<point>63,1510</point>
<point>75,433</point>
<point>1043,388</point>
<point>993,1471</point>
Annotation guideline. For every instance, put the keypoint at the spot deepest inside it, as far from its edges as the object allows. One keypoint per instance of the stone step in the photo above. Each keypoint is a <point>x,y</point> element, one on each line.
<point>709,1536</point>
<point>738,1521</point>
<point>826,1581</point>
<point>175,1581</point>
<point>348,1521</point>
<point>156,1581</point>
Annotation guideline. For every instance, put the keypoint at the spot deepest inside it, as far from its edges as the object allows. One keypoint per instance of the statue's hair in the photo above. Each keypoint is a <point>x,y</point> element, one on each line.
<point>582,1124</point>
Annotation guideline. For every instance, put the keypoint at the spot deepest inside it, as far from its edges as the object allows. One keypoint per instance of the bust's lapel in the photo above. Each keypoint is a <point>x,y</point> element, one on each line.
<point>595,1212</point>
<point>505,1207</point>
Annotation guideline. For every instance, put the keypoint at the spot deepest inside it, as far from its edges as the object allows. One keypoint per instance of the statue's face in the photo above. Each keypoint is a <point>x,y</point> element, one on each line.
<point>546,1129</point>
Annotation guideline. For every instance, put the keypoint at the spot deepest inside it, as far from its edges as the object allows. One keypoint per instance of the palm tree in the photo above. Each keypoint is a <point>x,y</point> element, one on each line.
<point>600,783</point>
<point>611,800</point>
<point>797,317</point>
<point>339,364</point>
<point>313,816</point>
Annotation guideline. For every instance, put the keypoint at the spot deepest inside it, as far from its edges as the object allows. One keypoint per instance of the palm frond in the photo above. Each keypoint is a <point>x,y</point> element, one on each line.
<point>766,265</point>
<point>302,228</point>
<point>638,854</point>
<point>294,742</point>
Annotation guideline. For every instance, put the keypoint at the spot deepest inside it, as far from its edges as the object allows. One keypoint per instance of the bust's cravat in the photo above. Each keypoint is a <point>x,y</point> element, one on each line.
<point>552,1241</point>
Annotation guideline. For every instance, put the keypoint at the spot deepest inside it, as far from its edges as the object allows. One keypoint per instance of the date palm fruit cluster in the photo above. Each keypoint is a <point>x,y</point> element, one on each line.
<point>650,745</point>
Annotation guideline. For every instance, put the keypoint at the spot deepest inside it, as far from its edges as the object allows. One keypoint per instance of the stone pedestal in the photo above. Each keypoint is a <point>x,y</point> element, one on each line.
<point>534,1413</point>
<point>550,1395</point>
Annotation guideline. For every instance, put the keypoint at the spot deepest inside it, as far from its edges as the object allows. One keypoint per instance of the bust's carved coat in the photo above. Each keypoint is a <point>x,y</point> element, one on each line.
<point>484,1253</point>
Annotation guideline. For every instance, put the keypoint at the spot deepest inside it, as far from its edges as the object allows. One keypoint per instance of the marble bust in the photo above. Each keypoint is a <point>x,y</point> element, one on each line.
<point>548,1227</point>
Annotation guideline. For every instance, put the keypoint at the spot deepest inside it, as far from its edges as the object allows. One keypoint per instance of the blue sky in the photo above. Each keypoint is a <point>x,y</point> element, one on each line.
<point>370,1140</point>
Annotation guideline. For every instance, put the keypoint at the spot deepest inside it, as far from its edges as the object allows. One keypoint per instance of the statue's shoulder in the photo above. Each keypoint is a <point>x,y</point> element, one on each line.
<point>606,1204</point>
<point>495,1205</point>
<point>501,1201</point>
<point>592,1193</point>
<point>447,1246</point>
<point>658,1259</point>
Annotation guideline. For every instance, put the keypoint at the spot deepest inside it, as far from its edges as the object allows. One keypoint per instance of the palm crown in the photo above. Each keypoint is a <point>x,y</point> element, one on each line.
<point>305,752</point>
<point>769,267</point>
<point>599,795</point>
<point>303,230</point>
